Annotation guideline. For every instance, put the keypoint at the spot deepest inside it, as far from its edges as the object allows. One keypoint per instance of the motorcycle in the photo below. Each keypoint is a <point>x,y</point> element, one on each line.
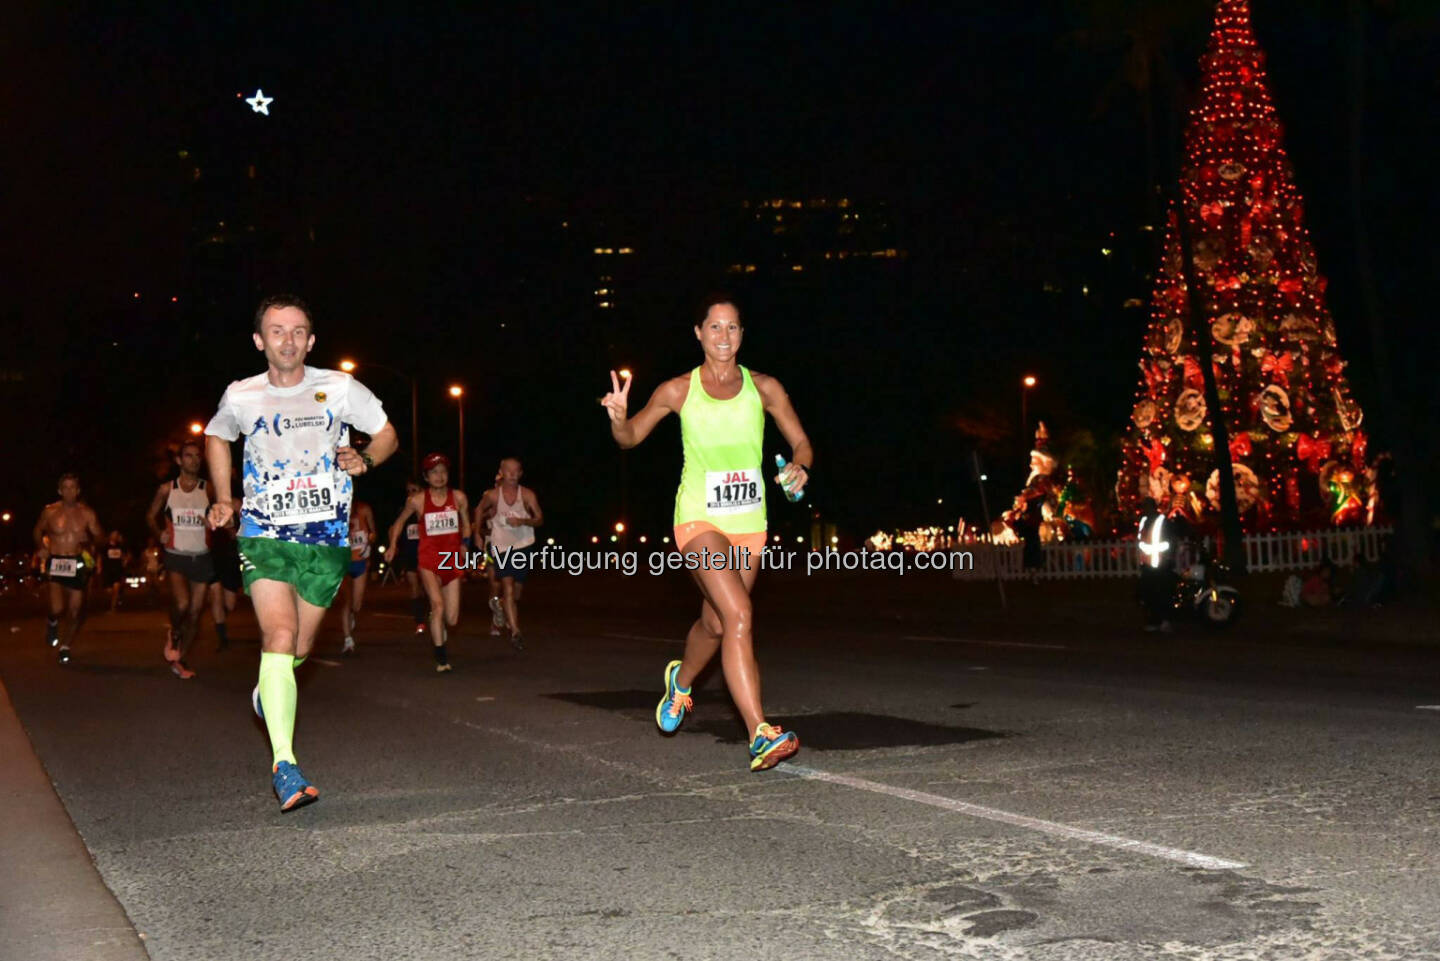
<point>1201,593</point>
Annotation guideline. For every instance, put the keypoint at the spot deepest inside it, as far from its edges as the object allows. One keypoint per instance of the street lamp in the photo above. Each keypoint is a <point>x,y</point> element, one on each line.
<point>1025,385</point>
<point>458,393</point>
<point>624,464</point>
<point>349,367</point>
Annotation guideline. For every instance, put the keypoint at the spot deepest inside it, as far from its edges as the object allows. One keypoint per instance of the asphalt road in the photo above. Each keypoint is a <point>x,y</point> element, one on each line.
<point>1043,783</point>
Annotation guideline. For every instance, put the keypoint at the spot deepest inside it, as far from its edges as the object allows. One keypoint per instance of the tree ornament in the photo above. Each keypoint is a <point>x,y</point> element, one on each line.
<point>1349,412</point>
<point>1232,329</point>
<point>1247,488</point>
<point>1144,414</point>
<point>1311,451</point>
<point>1275,408</point>
<point>1299,327</point>
<point>1277,367</point>
<point>1190,410</point>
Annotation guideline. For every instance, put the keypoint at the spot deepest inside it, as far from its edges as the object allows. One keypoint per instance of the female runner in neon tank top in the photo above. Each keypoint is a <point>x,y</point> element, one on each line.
<point>720,505</point>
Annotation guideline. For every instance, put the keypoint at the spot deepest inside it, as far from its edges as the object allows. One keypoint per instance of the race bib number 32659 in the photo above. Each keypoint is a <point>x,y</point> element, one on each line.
<point>302,500</point>
<point>733,491</point>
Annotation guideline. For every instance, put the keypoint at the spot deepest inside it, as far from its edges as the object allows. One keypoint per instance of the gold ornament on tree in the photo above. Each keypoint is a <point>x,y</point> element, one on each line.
<point>1247,488</point>
<point>1275,408</point>
<point>1190,409</point>
<point>1232,329</point>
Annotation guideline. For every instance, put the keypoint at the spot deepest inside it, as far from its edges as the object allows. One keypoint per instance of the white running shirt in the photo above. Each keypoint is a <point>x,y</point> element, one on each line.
<point>294,489</point>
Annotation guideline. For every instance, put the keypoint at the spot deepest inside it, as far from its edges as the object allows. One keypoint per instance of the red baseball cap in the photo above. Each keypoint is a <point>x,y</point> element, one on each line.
<point>432,460</point>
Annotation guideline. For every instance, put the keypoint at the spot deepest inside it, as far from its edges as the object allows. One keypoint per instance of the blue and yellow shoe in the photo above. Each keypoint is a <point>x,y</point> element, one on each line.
<point>291,787</point>
<point>672,707</point>
<point>771,746</point>
<point>255,703</point>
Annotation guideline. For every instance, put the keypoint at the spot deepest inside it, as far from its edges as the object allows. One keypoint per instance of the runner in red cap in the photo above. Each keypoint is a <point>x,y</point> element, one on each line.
<point>444,516</point>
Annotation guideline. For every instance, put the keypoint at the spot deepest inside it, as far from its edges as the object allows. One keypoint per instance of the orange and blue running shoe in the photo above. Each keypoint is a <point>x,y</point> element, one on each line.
<point>291,787</point>
<point>672,707</point>
<point>771,746</point>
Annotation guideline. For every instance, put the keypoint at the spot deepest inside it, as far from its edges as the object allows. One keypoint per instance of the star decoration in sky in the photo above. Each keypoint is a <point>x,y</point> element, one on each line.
<point>260,103</point>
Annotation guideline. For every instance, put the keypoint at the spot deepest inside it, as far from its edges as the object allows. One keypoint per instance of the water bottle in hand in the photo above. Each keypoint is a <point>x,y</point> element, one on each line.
<point>791,496</point>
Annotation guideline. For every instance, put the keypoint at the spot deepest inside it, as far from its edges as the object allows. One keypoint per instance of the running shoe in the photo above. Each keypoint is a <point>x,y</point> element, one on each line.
<point>291,787</point>
<point>672,707</point>
<point>179,669</point>
<point>64,656</point>
<point>52,634</point>
<point>494,631</point>
<point>420,628</point>
<point>497,612</point>
<point>349,646</point>
<point>517,641</point>
<point>442,668</point>
<point>255,703</point>
<point>771,746</point>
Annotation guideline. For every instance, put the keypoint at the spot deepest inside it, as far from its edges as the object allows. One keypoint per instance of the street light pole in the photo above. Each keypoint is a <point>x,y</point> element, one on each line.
<point>458,393</point>
<point>1025,384</point>
<point>349,367</point>
<point>414,430</point>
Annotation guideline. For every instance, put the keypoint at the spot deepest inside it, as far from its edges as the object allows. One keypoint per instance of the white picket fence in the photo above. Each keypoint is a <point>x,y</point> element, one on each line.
<point>1291,551</point>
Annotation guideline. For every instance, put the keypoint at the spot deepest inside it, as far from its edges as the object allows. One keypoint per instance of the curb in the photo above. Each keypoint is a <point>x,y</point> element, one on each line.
<point>54,906</point>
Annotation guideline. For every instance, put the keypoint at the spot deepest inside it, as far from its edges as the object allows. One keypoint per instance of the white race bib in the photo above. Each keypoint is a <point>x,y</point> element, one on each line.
<point>359,542</point>
<point>115,553</point>
<point>187,518</point>
<point>733,491</point>
<point>64,566</point>
<point>301,500</point>
<point>442,522</point>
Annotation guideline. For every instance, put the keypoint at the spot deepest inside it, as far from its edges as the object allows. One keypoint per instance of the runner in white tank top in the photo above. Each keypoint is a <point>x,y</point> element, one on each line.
<point>510,513</point>
<point>182,505</point>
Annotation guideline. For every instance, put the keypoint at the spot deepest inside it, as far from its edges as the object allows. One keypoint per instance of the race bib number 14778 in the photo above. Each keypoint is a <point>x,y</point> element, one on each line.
<point>733,491</point>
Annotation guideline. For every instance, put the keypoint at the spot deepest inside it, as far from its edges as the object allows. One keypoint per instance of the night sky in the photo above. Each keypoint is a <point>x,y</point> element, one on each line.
<point>427,177</point>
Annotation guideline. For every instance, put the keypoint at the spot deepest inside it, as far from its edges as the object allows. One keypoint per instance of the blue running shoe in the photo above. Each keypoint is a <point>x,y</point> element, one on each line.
<point>672,707</point>
<point>771,746</point>
<point>291,787</point>
<point>255,703</point>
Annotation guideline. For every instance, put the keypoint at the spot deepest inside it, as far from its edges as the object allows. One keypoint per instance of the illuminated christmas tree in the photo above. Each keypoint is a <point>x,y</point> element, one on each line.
<point>1294,428</point>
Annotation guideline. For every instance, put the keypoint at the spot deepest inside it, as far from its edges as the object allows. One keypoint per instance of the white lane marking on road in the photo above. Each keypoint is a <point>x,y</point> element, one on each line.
<point>1427,707</point>
<point>321,660</point>
<point>962,640</point>
<point>1189,858</point>
<point>484,699</point>
<point>644,637</point>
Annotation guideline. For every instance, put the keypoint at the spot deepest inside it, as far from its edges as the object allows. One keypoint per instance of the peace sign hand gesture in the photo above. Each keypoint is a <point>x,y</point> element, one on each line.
<point>617,402</point>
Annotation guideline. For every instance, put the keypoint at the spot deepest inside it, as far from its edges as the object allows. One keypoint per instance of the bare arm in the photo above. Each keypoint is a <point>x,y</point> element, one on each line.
<point>777,403</point>
<point>462,505</point>
<point>217,458</point>
<point>92,524</point>
<point>630,431</point>
<point>156,503</point>
<point>412,506</point>
<point>534,517</point>
<point>41,526</point>
<point>486,509</point>
<point>383,443</point>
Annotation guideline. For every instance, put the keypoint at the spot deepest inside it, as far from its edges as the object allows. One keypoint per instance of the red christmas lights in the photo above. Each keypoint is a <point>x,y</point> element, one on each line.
<point>1290,415</point>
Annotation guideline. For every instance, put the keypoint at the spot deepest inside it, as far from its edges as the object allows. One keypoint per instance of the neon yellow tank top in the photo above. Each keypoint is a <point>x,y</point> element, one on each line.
<point>723,440</point>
